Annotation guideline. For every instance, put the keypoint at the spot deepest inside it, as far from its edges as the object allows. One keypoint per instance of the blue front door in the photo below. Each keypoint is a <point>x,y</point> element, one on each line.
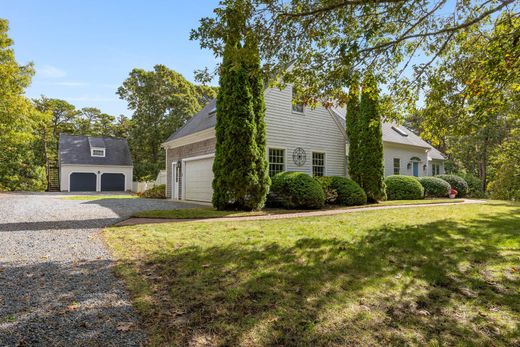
<point>416,169</point>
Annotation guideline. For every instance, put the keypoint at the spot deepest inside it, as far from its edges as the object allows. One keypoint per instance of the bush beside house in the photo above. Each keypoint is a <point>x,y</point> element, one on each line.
<point>295,190</point>
<point>342,191</point>
<point>435,187</point>
<point>456,182</point>
<point>157,192</point>
<point>474,185</point>
<point>403,188</point>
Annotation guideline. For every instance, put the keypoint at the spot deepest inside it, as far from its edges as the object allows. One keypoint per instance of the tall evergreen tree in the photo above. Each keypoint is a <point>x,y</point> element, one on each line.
<point>353,131</point>
<point>239,167</point>
<point>256,82</point>
<point>371,147</point>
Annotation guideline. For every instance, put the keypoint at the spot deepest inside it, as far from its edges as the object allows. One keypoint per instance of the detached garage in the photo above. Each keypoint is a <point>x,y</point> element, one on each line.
<point>94,164</point>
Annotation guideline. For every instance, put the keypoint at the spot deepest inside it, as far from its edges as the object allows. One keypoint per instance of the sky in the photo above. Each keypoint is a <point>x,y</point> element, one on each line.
<point>84,49</point>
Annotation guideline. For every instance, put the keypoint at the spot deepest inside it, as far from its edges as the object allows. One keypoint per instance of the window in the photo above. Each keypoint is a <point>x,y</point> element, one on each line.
<point>397,166</point>
<point>436,169</point>
<point>297,106</point>
<point>318,164</point>
<point>276,161</point>
<point>99,152</point>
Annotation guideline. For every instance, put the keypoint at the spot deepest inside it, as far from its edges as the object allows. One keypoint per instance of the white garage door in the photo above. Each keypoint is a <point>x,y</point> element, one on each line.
<point>199,176</point>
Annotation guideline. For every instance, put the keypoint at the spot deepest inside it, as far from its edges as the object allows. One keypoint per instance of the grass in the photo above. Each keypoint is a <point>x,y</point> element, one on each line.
<point>210,212</point>
<point>98,197</point>
<point>446,275</point>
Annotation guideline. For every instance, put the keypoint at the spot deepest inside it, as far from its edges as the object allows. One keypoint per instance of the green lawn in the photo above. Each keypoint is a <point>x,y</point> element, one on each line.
<point>434,276</point>
<point>99,197</point>
<point>210,212</point>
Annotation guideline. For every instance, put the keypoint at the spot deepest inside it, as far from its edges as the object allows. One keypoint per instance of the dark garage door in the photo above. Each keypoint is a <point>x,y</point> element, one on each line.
<point>83,182</point>
<point>112,182</point>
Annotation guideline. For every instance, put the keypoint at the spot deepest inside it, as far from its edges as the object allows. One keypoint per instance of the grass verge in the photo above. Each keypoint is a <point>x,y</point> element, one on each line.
<point>444,275</point>
<point>210,212</point>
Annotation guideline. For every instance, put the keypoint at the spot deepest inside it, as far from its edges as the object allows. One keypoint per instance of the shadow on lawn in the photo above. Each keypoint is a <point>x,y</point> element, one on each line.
<point>440,282</point>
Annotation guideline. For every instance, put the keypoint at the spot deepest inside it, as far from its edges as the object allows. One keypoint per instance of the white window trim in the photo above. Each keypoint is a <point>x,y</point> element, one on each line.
<point>284,157</point>
<point>393,166</point>
<point>324,162</point>
<point>98,149</point>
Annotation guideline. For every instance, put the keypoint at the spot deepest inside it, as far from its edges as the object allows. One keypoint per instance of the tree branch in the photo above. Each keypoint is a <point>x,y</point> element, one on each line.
<point>336,6</point>
<point>441,31</point>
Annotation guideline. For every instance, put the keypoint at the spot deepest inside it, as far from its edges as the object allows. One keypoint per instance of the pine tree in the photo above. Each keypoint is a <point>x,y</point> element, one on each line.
<point>353,132</point>
<point>239,166</point>
<point>259,194</point>
<point>371,146</point>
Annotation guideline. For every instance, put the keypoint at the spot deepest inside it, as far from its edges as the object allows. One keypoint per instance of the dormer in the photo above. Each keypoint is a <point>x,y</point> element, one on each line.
<point>97,147</point>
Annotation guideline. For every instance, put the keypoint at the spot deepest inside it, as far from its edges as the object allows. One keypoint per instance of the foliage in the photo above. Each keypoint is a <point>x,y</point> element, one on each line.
<point>326,184</point>
<point>506,181</point>
<point>354,132</point>
<point>19,121</point>
<point>240,169</point>
<point>162,101</point>
<point>403,188</point>
<point>369,278</point>
<point>370,145</point>
<point>434,187</point>
<point>456,182</point>
<point>296,190</point>
<point>342,191</point>
<point>474,185</point>
<point>325,42</point>
<point>157,192</point>
<point>472,100</point>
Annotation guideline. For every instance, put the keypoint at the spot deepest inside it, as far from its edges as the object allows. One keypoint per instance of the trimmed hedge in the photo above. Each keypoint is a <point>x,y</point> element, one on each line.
<point>342,191</point>
<point>157,192</point>
<point>435,187</point>
<point>403,188</point>
<point>460,185</point>
<point>296,190</point>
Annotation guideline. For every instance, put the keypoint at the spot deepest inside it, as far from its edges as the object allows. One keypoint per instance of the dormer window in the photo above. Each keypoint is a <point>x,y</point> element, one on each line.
<point>97,152</point>
<point>297,106</point>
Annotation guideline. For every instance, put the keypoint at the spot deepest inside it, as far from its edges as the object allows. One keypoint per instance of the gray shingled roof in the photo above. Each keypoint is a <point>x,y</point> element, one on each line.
<point>203,120</point>
<point>76,150</point>
<point>395,133</point>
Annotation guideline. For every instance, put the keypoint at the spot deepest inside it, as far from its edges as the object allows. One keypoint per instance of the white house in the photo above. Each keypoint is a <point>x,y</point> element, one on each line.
<point>95,164</point>
<point>298,139</point>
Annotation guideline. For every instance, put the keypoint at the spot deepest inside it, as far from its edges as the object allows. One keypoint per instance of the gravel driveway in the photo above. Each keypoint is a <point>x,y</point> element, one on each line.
<point>56,282</point>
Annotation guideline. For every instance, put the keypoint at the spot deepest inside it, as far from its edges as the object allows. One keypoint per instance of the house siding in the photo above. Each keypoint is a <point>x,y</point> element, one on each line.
<point>404,153</point>
<point>183,152</point>
<point>315,131</point>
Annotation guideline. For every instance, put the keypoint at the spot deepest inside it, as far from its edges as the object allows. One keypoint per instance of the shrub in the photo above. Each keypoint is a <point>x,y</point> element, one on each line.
<point>435,187</point>
<point>157,192</point>
<point>403,188</point>
<point>326,184</point>
<point>460,185</point>
<point>296,190</point>
<point>474,185</point>
<point>342,191</point>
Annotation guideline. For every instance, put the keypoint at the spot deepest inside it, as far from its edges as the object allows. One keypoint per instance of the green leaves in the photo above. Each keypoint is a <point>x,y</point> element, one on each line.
<point>162,100</point>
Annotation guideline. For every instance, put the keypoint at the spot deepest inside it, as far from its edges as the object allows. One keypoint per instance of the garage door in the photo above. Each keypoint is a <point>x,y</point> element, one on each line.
<point>112,182</point>
<point>199,176</point>
<point>82,182</point>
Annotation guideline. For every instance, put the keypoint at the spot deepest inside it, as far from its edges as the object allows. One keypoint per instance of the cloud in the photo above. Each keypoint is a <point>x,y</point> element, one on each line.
<point>50,71</point>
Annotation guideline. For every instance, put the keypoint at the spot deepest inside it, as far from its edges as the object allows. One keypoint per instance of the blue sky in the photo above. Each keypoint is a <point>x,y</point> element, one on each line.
<point>83,50</point>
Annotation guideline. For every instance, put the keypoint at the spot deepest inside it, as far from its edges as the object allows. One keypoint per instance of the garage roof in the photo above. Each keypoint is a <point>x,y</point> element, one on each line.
<point>75,149</point>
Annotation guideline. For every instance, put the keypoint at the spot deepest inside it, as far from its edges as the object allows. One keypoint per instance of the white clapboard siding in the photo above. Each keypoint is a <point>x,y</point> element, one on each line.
<point>315,131</point>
